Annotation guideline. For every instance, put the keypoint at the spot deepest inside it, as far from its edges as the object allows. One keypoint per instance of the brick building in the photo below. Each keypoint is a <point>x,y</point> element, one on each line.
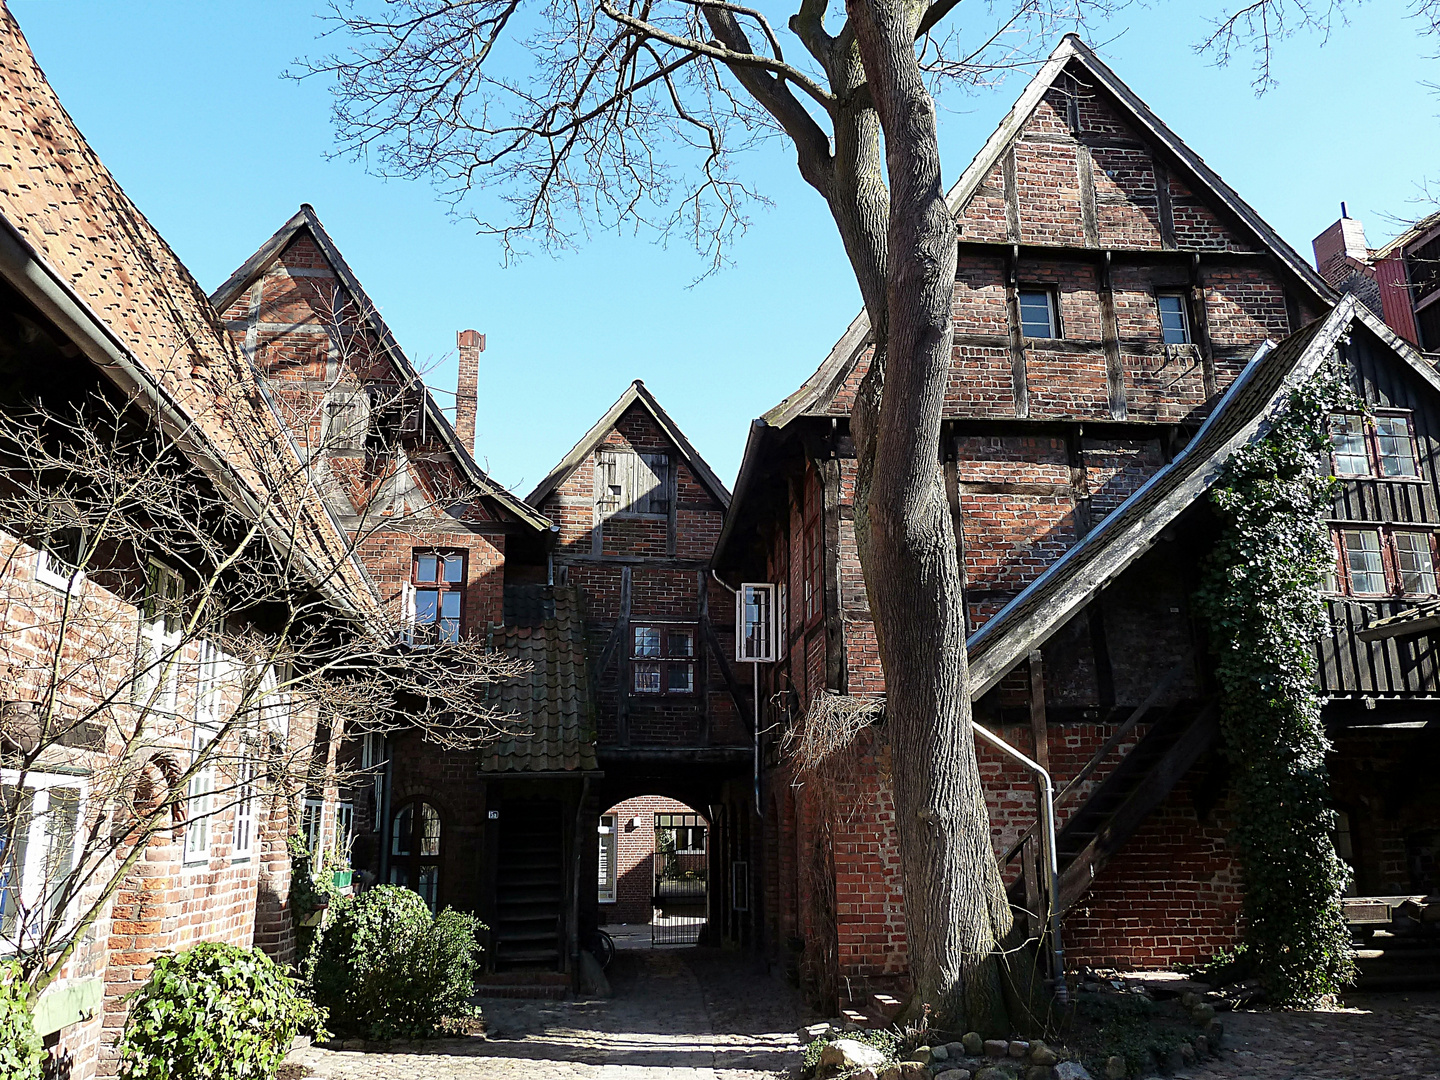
<point>1116,311</point>
<point>98,315</point>
<point>628,872</point>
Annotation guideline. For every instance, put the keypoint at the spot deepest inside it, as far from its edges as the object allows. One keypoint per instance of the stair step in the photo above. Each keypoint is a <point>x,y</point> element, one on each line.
<point>528,956</point>
<point>510,935</point>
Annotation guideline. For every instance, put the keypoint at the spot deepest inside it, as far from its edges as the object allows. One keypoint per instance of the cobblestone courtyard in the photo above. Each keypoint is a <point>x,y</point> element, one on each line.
<point>697,1014</point>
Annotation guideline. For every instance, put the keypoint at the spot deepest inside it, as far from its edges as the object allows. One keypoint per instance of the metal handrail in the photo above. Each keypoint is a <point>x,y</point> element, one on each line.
<point>1052,860</point>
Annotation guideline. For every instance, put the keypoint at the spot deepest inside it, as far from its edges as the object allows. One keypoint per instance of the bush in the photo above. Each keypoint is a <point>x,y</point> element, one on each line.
<point>385,968</point>
<point>21,1051</point>
<point>218,1012</point>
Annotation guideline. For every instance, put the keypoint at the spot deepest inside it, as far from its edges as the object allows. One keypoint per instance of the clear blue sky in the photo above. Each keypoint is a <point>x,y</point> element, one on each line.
<point>183,102</point>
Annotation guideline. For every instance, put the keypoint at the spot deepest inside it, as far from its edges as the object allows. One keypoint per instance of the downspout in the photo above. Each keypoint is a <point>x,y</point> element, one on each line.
<point>1052,859</point>
<point>386,800</point>
<point>755,704</point>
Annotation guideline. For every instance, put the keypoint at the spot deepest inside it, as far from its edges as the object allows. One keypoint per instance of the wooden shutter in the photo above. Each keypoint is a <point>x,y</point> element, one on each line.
<point>607,480</point>
<point>655,484</point>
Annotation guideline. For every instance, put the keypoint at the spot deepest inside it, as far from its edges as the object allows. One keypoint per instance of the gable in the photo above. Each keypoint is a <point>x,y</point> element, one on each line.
<point>299,312</point>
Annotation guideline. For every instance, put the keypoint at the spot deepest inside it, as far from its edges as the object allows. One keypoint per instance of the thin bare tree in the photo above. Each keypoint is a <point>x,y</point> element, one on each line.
<point>176,658</point>
<point>550,119</point>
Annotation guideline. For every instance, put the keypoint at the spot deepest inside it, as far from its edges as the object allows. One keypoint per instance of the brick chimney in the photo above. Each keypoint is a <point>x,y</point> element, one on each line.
<point>471,344</point>
<point>1341,250</point>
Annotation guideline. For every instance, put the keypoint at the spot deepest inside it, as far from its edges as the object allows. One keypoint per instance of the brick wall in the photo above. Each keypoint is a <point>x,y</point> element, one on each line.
<point>634,851</point>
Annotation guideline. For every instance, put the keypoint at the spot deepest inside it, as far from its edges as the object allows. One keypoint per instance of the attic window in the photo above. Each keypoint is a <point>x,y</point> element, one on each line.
<point>1174,319</point>
<point>346,421</point>
<point>631,484</point>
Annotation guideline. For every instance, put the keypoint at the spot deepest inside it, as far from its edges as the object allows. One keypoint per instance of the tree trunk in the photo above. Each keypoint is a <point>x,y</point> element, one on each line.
<point>955,904</point>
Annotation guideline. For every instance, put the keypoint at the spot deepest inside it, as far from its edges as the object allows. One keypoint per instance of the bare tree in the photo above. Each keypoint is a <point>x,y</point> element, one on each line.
<point>550,119</point>
<point>169,653</point>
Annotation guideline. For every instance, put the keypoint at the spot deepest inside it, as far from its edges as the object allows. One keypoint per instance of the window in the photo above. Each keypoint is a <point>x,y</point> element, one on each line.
<point>415,850</point>
<point>312,825</point>
<point>1385,562</point>
<point>372,760</point>
<point>1380,446</point>
<point>437,587</point>
<point>1348,454</point>
<point>756,616</point>
<point>1038,317</point>
<point>1364,566</point>
<point>214,670</point>
<point>57,563</point>
<point>1174,318</point>
<point>344,832</point>
<point>814,571</point>
<point>662,659</point>
<point>681,833</point>
<point>627,483</point>
<point>1394,448</point>
<point>160,630</point>
<point>38,870</point>
<point>243,840</point>
<point>273,703</point>
<point>346,421</point>
<point>1414,564</point>
<point>606,861</point>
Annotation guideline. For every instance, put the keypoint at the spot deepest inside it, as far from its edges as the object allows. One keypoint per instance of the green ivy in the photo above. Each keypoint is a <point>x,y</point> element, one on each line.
<point>1261,596</point>
<point>219,1012</point>
<point>21,1052</point>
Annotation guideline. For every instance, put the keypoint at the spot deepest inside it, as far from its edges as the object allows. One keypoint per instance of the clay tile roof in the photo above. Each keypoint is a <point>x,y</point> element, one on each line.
<point>72,242</point>
<point>554,712</point>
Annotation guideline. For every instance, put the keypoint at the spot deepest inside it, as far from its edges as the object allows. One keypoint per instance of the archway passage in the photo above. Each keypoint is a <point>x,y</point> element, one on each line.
<point>653,871</point>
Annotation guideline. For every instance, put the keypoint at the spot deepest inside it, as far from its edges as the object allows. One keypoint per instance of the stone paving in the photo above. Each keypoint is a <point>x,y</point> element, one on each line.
<point>692,1014</point>
<point>699,1014</point>
<point>1370,1037</point>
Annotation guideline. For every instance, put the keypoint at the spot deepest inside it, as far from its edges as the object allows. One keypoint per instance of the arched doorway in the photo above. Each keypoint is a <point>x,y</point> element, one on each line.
<point>653,870</point>
<point>415,842</point>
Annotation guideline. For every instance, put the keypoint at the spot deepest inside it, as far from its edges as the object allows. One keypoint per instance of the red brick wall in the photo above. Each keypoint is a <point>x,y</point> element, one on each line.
<point>634,848</point>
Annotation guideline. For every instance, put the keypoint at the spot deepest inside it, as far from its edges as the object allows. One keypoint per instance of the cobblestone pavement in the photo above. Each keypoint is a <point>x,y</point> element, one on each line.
<point>694,1014</point>
<point>1370,1037</point>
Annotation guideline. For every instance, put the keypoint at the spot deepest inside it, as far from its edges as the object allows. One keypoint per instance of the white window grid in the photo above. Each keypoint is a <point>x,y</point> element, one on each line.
<point>344,831</point>
<point>607,867</point>
<point>48,848</point>
<point>759,622</point>
<point>246,796</point>
<point>372,760</point>
<point>312,826</point>
<point>156,683</point>
<point>216,668</point>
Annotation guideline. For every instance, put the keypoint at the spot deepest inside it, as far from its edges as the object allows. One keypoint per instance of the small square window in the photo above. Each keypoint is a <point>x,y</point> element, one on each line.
<point>1347,445</point>
<point>1414,564</point>
<point>679,678</point>
<point>680,643</point>
<point>1174,319</point>
<point>1394,448</point>
<point>1037,314</point>
<point>647,641</point>
<point>647,678</point>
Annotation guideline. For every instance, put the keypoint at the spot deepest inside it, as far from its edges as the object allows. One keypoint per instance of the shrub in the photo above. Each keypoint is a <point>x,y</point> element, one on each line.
<point>385,968</point>
<point>218,1012</point>
<point>21,1051</point>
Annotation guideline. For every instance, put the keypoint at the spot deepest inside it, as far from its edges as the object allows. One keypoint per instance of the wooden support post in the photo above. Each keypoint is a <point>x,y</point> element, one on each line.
<point>836,667</point>
<point>1110,340</point>
<point>1202,329</point>
<point>1019,375</point>
<point>622,627</point>
<point>702,661</point>
<point>1037,709</point>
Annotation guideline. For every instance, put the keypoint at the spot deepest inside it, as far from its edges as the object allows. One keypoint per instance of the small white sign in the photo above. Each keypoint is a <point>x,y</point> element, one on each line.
<point>494,815</point>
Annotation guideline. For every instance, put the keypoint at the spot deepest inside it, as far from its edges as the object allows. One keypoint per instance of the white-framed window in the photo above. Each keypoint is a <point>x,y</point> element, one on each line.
<point>160,632</point>
<point>346,420</point>
<point>372,760</point>
<point>344,832</point>
<point>608,875</point>
<point>631,484</point>
<point>57,562</point>
<point>45,810</point>
<point>274,704</point>
<point>1174,317</point>
<point>247,773</point>
<point>216,669</point>
<point>1039,314</point>
<point>312,825</point>
<point>758,626</point>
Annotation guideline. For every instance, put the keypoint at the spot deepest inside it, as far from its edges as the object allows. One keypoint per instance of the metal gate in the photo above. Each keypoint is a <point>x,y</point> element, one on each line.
<point>680,864</point>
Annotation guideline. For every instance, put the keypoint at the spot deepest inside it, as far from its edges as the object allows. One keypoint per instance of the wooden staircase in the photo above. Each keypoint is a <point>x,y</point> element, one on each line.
<point>1121,803</point>
<point>530,888</point>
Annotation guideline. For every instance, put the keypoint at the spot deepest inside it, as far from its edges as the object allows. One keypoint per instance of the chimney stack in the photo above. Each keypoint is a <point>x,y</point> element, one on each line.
<point>471,344</point>
<point>1341,250</point>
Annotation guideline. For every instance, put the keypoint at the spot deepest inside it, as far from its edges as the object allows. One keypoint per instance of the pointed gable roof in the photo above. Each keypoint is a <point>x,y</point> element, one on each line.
<point>1242,416</point>
<point>306,220</point>
<point>817,391</point>
<point>636,393</point>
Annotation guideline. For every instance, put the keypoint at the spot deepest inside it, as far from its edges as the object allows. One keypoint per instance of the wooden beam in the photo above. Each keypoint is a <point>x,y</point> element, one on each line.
<point>622,712</point>
<point>1110,339</point>
<point>1038,732</point>
<point>1164,208</point>
<point>737,693</point>
<point>702,673</point>
<point>1012,195</point>
<point>1202,329</point>
<point>1089,211</point>
<point>1158,782</point>
<point>1019,376</point>
<point>1100,651</point>
<point>837,676</point>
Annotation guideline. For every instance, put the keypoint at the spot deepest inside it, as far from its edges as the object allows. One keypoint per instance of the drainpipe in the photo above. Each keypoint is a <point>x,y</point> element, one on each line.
<point>1052,859</point>
<point>755,703</point>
